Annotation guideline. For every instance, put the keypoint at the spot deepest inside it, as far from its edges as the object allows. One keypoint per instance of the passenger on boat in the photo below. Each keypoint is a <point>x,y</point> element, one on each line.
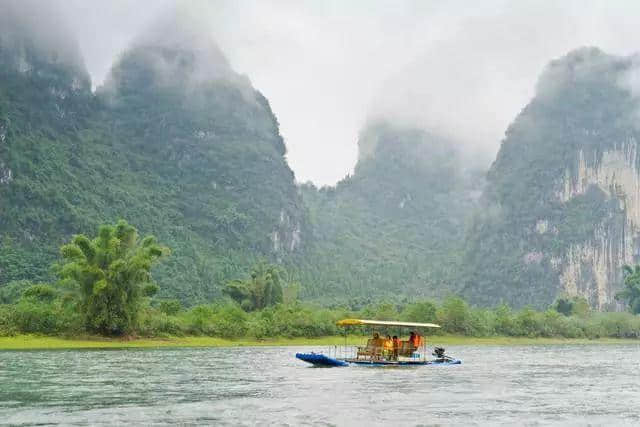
<point>388,346</point>
<point>378,345</point>
<point>406,348</point>
<point>415,340</point>
<point>373,348</point>
<point>396,346</point>
<point>412,340</point>
<point>377,341</point>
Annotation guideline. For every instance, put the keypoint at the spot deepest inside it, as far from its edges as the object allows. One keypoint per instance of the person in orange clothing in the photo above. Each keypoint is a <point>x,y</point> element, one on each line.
<point>412,340</point>
<point>388,346</point>
<point>417,340</point>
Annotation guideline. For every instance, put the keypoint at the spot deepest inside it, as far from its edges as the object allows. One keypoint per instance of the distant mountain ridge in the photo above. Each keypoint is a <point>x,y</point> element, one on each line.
<point>180,145</point>
<point>393,229</point>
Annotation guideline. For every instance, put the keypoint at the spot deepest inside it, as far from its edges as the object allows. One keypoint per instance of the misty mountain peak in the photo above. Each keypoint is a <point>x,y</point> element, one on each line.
<point>380,139</point>
<point>174,52</point>
<point>34,40</point>
<point>586,68</point>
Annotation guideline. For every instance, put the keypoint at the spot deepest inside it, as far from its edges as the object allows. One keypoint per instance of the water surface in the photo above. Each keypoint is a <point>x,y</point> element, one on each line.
<point>533,385</point>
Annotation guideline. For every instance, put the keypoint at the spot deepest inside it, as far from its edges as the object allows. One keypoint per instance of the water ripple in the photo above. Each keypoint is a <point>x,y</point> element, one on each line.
<point>539,385</point>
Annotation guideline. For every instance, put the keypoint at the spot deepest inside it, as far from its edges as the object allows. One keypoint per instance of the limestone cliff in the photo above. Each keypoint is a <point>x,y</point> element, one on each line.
<point>562,206</point>
<point>594,268</point>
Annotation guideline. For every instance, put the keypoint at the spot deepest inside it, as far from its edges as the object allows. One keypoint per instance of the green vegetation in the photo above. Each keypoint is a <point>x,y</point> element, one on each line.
<point>261,290</point>
<point>110,275</point>
<point>47,310</point>
<point>105,286</point>
<point>198,163</point>
<point>572,306</point>
<point>631,291</point>
<point>393,229</point>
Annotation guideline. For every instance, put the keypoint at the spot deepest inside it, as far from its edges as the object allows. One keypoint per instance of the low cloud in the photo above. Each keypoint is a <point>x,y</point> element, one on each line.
<point>457,68</point>
<point>471,85</point>
<point>40,27</point>
<point>177,49</point>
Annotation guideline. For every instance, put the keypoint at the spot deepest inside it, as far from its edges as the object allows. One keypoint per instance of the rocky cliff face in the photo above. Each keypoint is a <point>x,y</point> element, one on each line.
<point>5,173</point>
<point>563,200</point>
<point>594,268</point>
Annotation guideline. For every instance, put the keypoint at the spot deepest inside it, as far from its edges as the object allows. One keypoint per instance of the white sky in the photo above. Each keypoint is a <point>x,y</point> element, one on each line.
<point>463,68</point>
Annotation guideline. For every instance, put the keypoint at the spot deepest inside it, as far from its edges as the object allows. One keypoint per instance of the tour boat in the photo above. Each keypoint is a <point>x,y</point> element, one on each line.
<point>380,351</point>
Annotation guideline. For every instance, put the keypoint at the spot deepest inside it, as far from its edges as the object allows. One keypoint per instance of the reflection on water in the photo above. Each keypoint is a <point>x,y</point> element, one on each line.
<point>494,385</point>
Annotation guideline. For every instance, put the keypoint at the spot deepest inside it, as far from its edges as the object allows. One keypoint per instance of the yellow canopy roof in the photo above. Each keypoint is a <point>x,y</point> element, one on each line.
<point>355,322</point>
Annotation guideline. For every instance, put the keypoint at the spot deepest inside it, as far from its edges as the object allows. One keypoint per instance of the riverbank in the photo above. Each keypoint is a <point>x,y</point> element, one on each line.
<point>34,342</point>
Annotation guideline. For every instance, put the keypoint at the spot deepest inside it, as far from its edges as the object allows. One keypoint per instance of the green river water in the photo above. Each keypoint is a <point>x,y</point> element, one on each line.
<point>527,385</point>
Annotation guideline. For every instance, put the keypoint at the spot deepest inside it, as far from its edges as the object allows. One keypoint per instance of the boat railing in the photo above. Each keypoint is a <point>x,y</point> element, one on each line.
<point>342,352</point>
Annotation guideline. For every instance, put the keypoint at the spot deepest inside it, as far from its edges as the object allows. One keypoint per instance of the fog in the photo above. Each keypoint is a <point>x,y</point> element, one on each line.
<point>460,68</point>
<point>46,28</point>
<point>181,30</point>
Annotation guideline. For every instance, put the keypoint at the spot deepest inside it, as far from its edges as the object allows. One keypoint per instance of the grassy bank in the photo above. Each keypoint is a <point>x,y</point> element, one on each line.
<point>34,342</point>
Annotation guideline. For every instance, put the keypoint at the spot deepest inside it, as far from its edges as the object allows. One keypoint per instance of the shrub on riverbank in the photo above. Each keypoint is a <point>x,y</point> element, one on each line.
<point>37,311</point>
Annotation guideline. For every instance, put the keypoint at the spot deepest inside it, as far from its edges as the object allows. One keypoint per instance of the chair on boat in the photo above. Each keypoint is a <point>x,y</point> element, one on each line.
<point>371,350</point>
<point>407,349</point>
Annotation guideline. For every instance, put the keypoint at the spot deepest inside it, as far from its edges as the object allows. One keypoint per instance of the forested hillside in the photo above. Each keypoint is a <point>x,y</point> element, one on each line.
<point>175,142</point>
<point>395,227</point>
<point>45,100</point>
<point>181,146</point>
<point>560,212</point>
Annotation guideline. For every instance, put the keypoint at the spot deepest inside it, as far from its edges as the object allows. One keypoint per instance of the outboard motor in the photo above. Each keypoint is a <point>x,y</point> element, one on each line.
<point>439,353</point>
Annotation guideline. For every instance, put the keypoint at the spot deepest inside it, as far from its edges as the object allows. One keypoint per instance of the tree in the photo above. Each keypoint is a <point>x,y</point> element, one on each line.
<point>455,315</point>
<point>111,275</point>
<point>262,289</point>
<point>12,291</point>
<point>170,307</point>
<point>570,306</point>
<point>631,291</point>
<point>421,311</point>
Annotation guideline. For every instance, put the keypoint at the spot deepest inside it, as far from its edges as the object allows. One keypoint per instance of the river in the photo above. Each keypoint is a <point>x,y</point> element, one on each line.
<point>531,385</point>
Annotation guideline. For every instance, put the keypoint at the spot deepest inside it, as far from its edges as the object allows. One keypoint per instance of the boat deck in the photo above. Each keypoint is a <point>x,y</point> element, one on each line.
<point>400,362</point>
